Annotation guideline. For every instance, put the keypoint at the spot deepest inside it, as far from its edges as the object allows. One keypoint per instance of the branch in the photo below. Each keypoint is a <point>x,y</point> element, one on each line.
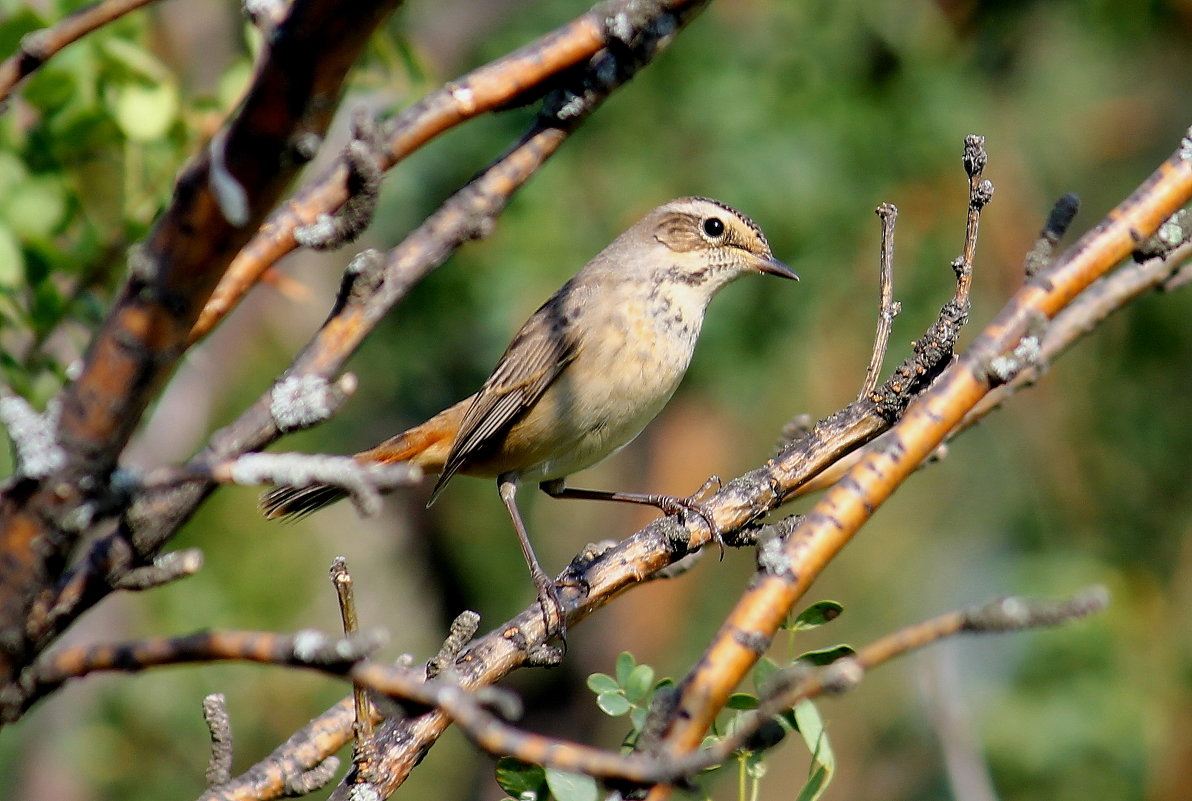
<point>472,711</point>
<point>928,420</point>
<point>220,199</point>
<point>593,579</point>
<point>311,649</point>
<point>373,285</point>
<point>38,47</point>
<point>519,76</point>
<point>1104,297</point>
<point>362,725</point>
<point>789,687</point>
<point>887,309</point>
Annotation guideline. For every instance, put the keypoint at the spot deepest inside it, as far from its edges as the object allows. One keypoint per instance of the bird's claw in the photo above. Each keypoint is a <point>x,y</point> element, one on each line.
<point>554,614</point>
<point>693,504</point>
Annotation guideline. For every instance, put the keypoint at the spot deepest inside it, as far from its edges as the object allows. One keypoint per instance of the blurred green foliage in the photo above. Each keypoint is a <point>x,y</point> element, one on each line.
<point>89,147</point>
<point>804,115</point>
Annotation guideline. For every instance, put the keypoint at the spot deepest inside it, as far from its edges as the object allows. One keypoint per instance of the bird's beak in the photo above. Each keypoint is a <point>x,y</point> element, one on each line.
<point>775,267</point>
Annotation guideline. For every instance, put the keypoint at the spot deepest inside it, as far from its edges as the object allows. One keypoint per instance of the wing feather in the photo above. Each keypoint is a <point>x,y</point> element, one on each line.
<point>534,359</point>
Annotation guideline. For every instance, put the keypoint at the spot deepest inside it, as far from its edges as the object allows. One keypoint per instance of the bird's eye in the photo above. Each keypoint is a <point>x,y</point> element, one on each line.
<point>714,227</point>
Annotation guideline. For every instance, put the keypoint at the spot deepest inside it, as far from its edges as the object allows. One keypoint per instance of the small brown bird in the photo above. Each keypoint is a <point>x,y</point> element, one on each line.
<point>586,372</point>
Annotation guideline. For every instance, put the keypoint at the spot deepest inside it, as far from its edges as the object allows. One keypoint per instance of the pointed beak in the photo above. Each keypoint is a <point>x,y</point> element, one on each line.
<point>775,267</point>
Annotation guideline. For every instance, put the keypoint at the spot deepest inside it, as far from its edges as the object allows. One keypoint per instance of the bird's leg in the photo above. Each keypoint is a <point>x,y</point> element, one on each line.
<point>553,613</point>
<point>668,504</point>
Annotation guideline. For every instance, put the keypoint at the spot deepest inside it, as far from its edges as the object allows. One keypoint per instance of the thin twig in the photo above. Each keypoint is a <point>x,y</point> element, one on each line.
<point>1081,318</point>
<point>304,649</point>
<point>341,580</point>
<point>785,690</point>
<point>514,77</point>
<point>219,724</point>
<point>789,687</point>
<point>887,309</point>
<point>40,46</point>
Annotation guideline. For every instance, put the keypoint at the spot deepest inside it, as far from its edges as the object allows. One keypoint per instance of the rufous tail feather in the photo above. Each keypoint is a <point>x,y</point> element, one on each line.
<point>425,445</point>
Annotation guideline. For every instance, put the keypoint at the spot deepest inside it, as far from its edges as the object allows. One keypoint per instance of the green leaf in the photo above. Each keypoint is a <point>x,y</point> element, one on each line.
<point>34,207</point>
<point>12,171</point>
<point>233,83</point>
<point>811,728</point>
<point>137,60</point>
<point>816,784</point>
<point>145,113</point>
<point>826,656</point>
<point>742,701</point>
<point>637,717</point>
<point>602,683</point>
<point>625,665</point>
<point>12,261</point>
<point>521,780</point>
<point>816,615</point>
<point>640,680</point>
<point>571,786</point>
<point>613,704</point>
<point>762,672</point>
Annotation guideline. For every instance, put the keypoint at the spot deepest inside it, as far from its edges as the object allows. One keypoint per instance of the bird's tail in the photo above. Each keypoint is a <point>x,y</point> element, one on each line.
<point>425,445</point>
<point>295,502</point>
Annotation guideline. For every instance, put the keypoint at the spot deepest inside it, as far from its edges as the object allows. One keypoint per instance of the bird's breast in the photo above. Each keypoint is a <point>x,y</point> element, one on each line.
<point>630,356</point>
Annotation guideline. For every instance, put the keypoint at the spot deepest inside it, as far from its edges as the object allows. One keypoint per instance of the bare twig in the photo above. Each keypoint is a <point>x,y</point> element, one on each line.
<point>1087,311</point>
<point>299,762</point>
<point>40,46</point>
<point>341,579</point>
<point>980,193</point>
<point>887,309</point>
<point>166,568</point>
<point>463,629</point>
<point>363,157</point>
<point>786,689</point>
<point>304,649</point>
<point>215,714</point>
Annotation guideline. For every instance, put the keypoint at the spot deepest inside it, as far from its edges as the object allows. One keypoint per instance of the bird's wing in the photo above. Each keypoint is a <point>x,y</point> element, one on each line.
<point>541,350</point>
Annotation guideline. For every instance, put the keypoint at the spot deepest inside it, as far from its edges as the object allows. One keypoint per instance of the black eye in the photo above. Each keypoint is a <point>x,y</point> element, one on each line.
<point>714,227</point>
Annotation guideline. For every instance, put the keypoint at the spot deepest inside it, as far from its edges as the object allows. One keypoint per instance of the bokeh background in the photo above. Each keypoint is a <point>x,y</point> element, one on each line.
<point>805,115</point>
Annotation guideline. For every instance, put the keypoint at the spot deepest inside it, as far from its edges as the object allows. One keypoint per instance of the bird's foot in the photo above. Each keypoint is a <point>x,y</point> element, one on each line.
<point>693,504</point>
<point>554,614</point>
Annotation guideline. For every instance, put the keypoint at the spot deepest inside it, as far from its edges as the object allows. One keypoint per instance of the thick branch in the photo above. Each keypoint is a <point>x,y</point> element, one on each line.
<point>220,199</point>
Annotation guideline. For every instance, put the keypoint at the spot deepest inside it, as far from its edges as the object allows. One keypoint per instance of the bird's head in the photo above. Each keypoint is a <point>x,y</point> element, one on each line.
<point>707,243</point>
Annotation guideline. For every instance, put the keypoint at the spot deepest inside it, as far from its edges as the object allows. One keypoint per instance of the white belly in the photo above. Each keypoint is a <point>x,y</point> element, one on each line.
<point>616,385</point>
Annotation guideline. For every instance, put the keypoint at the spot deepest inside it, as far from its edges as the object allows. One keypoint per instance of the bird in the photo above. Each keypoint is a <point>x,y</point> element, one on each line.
<point>584,375</point>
